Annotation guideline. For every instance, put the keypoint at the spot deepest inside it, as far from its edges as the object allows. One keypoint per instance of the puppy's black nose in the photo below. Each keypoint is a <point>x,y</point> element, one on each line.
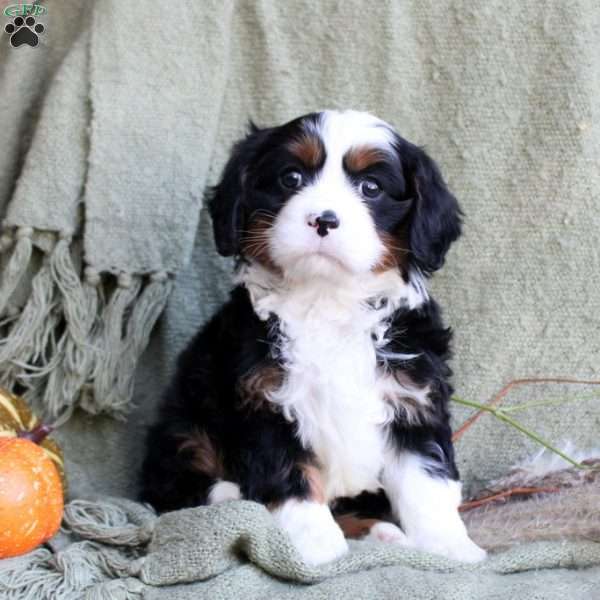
<point>326,221</point>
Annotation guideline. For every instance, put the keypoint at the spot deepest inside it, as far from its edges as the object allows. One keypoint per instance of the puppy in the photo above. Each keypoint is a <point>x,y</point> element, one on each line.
<point>321,388</point>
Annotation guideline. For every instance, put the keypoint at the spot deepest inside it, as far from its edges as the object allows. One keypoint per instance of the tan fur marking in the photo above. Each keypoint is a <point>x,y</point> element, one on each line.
<point>394,255</point>
<point>313,476</point>
<point>206,458</point>
<point>360,158</point>
<point>308,148</point>
<point>256,385</point>
<point>355,527</point>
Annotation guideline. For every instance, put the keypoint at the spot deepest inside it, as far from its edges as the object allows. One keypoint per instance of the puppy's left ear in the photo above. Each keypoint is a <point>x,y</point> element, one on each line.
<point>228,198</point>
<point>436,219</point>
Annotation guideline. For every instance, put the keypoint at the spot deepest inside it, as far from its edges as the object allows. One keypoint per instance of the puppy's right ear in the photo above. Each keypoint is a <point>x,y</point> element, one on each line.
<point>227,198</point>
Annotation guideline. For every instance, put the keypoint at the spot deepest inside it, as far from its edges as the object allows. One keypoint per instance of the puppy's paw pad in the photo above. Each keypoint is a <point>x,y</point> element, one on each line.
<point>389,533</point>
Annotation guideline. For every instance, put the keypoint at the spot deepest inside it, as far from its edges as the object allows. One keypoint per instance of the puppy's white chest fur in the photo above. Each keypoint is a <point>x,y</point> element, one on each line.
<point>332,389</point>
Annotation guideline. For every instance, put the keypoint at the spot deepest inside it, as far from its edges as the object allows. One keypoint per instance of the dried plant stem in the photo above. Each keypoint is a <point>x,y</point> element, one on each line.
<point>37,435</point>
<point>519,491</point>
<point>500,414</point>
<point>549,402</point>
<point>497,398</point>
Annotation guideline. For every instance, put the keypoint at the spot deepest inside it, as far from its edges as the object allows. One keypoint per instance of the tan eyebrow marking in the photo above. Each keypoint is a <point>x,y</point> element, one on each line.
<point>359,158</point>
<point>308,148</point>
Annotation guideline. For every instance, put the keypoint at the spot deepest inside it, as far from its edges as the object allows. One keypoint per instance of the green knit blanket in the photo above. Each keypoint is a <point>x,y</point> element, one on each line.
<point>235,550</point>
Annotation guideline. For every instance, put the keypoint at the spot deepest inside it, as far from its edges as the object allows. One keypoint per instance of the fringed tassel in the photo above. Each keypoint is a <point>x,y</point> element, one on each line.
<point>21,349</point>
<point>118,589</point>
<point>110,346</point>
<point>44,360</point>
<point>84,569</point>
<point>101,566</point>
<point>77,353</point>
<point>118,522</point>
<point>146,311</point>
<point>95,295</point>
<point>75,342</point>
<point>28,577</point>
<point>17,264</point>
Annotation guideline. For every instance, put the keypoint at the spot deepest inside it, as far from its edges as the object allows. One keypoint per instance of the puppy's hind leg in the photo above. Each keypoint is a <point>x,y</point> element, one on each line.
<point>222,491</point>
<point>182,468</point>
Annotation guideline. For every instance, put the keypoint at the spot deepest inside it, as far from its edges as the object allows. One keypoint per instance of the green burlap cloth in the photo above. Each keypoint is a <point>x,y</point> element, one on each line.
<point>110,131</point>
<point>235,551</point>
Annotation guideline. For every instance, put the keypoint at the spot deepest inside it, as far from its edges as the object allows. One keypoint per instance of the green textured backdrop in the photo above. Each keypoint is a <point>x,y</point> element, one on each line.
<point>505,96</point>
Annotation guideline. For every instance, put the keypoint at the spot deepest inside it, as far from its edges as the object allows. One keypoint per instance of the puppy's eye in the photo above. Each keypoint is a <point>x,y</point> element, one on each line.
<point>291,179</point>
<point>370,188</point>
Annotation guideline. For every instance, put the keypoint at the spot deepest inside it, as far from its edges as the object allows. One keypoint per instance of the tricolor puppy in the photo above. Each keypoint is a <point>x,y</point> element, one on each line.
<point>321,388</point>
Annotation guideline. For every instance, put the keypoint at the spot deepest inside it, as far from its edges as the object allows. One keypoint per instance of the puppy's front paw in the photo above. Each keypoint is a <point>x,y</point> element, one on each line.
<point>460,548</point>
<point>318,546</point>
<point>312,529</point>
<point>468,551</point>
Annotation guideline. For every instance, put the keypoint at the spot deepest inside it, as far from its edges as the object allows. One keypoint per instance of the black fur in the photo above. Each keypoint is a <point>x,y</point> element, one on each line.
<point>258,447</point>
<point>436,217</point>
<point>227,200</point>
<point>422,332</point>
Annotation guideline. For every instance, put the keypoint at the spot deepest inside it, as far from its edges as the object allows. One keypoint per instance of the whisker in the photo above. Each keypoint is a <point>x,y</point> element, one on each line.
<point>264,211</point>
<point>397,248</point>
<point>259,227</point>
<point>255,231</point>
<point>256,251</point>
<point>254,247</point>
<point>256,237</point>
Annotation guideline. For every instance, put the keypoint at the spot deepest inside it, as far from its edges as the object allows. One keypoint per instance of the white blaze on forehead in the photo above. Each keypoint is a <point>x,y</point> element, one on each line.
<point>341,131</point>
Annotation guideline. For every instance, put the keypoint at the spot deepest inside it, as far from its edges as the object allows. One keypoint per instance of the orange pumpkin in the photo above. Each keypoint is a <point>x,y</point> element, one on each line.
<point>31,498</point>
<point>31,492</point>
<point>16,418</point>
